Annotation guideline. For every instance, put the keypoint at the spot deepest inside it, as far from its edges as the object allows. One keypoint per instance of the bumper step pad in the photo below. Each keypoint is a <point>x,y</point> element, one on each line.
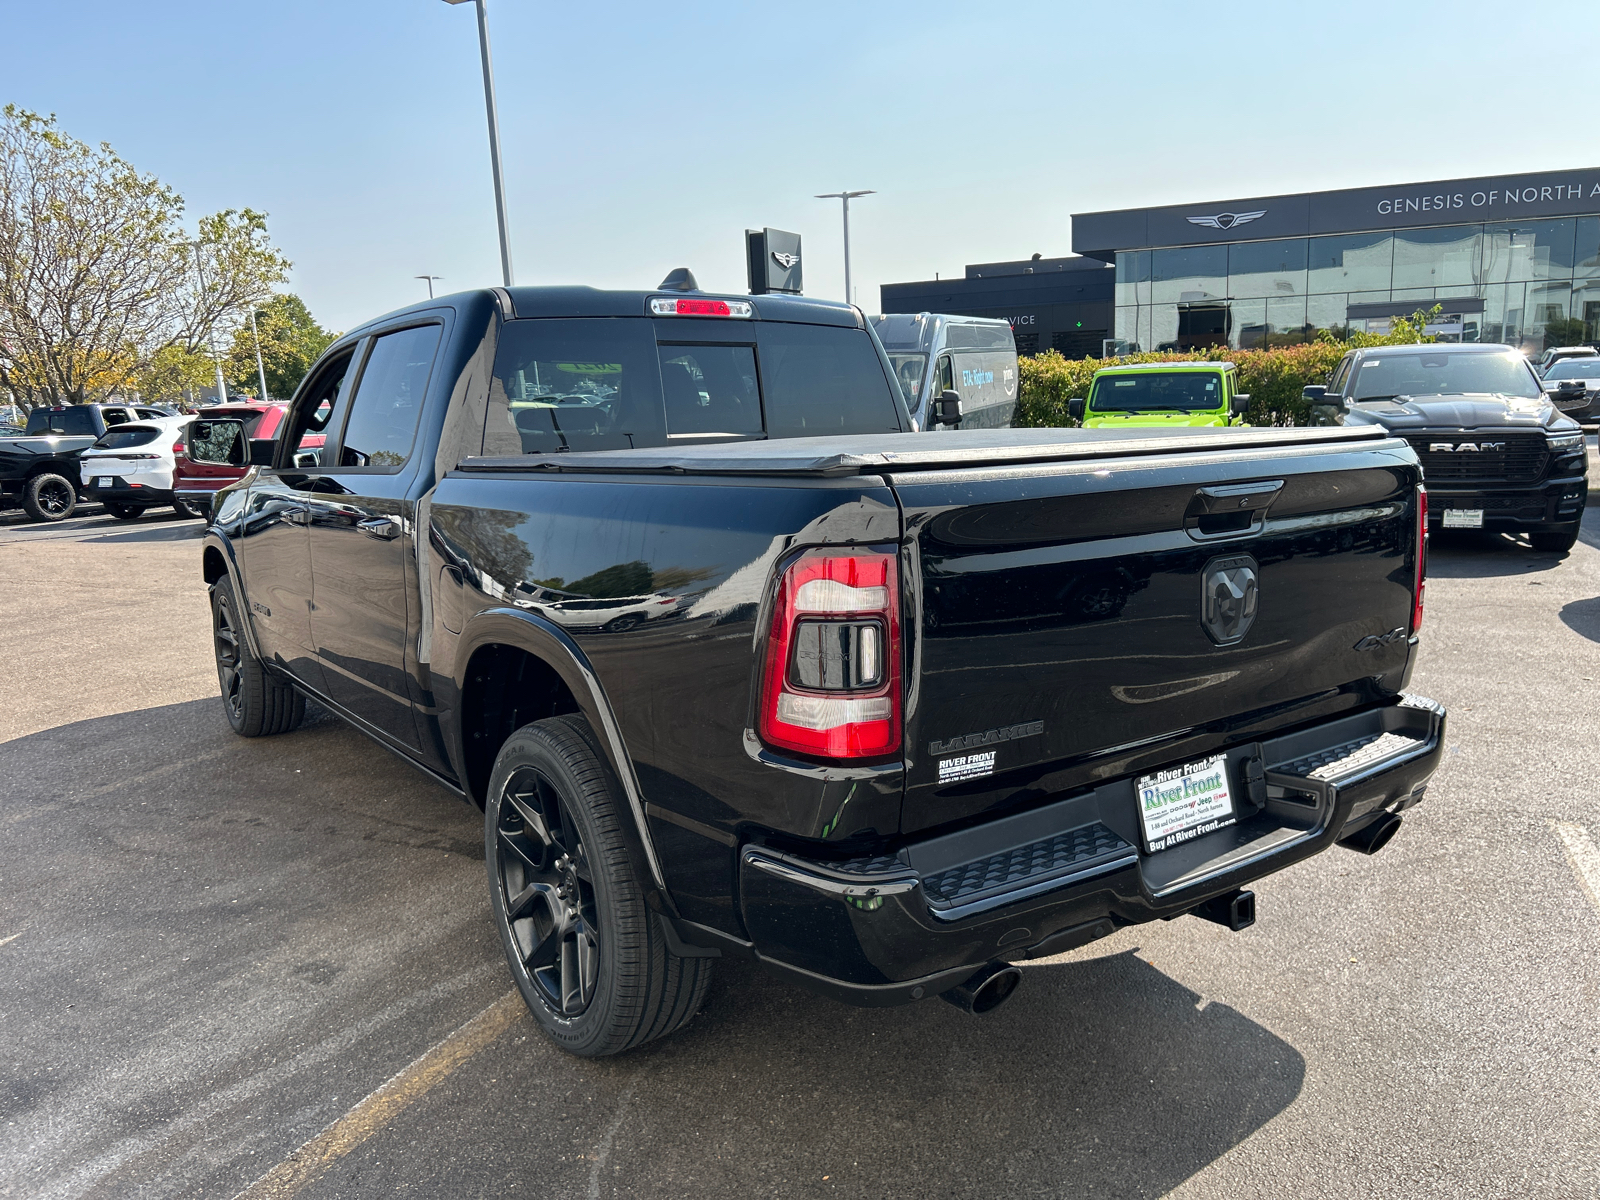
<point>1338,762</point>
<point>1011,874</point>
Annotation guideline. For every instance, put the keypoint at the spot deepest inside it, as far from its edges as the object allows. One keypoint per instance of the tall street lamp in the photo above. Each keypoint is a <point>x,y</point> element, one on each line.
<point>430,279</point>
<point>849,297</point>
<point>261,370</point>
<point>494,138</point>
<point>211,343</point>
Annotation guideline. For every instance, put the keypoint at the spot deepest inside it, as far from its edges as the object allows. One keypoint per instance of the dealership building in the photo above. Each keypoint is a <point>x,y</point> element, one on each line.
<point>1508,258</point>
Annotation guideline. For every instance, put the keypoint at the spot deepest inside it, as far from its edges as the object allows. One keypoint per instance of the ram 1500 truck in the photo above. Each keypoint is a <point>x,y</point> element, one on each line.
<point>889,711</point>
<point>1497,454</point>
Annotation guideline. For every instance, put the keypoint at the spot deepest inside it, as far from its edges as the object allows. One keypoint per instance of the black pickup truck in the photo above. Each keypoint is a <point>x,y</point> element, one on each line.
<point>888,712</point>
<point>1497,454</point>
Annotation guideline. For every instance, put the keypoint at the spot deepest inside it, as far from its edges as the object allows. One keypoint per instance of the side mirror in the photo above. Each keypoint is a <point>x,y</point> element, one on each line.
<point>947,409</point>
<point>220,442</point>
<point>262,451</point>
<point>1313,393</point>
<point>1075,408</point>
<point>1241,401</point>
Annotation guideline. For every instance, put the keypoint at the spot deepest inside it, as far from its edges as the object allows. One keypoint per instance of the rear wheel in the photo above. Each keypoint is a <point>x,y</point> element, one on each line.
<point>1555,541</point>
<point>185,509</point>
<point>584,949</point>
<point>123,512</point>
<point>257,703</point>
<point>49,497</point>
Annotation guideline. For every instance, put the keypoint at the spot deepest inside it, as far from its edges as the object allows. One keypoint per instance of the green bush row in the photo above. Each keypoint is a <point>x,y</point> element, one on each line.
<point>1273,378</point>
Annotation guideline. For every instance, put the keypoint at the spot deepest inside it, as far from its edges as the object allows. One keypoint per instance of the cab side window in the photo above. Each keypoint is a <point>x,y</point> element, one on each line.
<point>314,414</point>
<point>388,402</point>
<point>1339,375</point>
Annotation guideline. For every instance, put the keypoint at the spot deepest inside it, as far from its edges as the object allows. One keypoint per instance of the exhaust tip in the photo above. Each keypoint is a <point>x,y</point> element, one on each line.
<point>1374,835</point>
<point>986,991</point>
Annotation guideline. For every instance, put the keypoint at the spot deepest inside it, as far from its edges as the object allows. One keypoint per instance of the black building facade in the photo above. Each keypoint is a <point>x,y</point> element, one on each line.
<point>1060,303</point>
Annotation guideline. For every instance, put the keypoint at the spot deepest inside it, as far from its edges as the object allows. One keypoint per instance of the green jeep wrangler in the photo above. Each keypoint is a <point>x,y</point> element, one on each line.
<point>1194,394</point>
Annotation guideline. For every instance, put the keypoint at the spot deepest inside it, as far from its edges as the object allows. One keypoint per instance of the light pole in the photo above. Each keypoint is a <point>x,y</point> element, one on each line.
<point>211,344</point>
<point>261,370</point>
<point>846,197</point>
<point>430,279</point>
<point>494,139</point>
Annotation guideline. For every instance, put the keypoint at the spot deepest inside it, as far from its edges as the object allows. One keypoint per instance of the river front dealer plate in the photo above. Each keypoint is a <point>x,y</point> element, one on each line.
<point>1184,802</point>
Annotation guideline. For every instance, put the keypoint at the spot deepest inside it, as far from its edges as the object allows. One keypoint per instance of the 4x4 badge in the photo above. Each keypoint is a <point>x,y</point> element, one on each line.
<point>1373,640</point>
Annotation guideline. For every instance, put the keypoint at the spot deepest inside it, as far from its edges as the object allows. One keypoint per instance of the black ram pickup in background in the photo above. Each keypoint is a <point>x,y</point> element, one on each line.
<point>736,664</point>
<point>1495,452</point>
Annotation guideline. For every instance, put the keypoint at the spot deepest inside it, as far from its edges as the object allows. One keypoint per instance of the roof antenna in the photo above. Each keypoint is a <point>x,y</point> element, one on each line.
<point>679,279</point>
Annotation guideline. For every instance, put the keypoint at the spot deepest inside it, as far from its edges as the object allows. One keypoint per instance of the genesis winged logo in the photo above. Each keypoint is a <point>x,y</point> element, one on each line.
<point>1227,220</point>
<point>784,259</point>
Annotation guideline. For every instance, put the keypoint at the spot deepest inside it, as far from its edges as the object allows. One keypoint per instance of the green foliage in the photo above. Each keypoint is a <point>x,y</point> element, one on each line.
<point>171,372</point>
<point>1565,331</point>
<point>1273,378</point>
<point>98,276</point>
<point>291,341</point>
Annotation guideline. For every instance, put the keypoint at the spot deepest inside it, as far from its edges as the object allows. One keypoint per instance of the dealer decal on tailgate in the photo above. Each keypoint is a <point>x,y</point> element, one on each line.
<point>966,766</point>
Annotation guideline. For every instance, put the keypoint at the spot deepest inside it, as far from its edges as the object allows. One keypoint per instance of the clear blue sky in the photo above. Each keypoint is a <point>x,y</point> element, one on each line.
<point>644,136</point>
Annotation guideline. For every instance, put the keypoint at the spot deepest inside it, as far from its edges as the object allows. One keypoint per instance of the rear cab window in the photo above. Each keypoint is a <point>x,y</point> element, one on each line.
<point>611,383</point>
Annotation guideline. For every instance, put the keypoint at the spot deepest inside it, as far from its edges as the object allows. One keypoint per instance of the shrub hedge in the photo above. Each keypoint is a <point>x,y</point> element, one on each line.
<point>1272,378</point>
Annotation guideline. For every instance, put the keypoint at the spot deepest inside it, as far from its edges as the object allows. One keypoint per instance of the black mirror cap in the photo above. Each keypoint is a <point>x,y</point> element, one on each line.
<point>263,451</point>
<point>1313,392</point>
<point>948,408</point>
<point>1076,408</point>
<point>1241,401</point>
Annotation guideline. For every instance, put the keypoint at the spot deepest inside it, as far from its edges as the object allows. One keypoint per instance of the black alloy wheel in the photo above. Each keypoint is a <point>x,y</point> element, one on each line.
<point>225,636</point>
<point>586,949</point>
<point>49,497</point>
<point>547,889</point>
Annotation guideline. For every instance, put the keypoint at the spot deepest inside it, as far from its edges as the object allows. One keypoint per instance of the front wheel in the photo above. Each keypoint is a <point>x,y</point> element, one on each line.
<point>1555,541</point>
<point>584,949</point>
<point>49,497</point>
<point>257,703</point>
<point>124,512</point>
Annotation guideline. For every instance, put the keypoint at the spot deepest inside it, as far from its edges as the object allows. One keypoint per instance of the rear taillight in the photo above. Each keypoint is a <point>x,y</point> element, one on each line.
<point>177,446</point>
<point>831,683</point>
<point>1422,559</point>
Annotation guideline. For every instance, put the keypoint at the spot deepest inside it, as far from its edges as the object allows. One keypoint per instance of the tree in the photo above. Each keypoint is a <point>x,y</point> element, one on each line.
<point>97,273</point>
<point>291,340</point>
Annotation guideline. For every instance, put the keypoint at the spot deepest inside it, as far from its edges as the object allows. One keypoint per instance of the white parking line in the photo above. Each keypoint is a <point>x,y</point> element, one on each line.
<point>1583,855</point>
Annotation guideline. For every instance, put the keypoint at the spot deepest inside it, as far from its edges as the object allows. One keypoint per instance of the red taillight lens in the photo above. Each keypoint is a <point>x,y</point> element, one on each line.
<point>1422,558</point>
<point>831,684</point>
<point>177,446</point>
<point>664,307</point>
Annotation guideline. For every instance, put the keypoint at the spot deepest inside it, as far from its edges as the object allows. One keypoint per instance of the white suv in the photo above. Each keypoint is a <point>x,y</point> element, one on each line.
<point>130,468</point>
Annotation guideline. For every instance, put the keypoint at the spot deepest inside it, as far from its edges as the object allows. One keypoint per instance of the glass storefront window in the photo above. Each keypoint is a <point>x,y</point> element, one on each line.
<point>1163,327</point>
<point>1263,269</point>
<point>1526,250</point>
<point>1247,325</point>
<point>1348,262</point>
<point>1127,327</point>
<point>1286,321</point>
<point>1586,255</point>
<point>1429,258</point>
<point>1133,277</point>
<point>1189,275</point>
<point>1327,312</point>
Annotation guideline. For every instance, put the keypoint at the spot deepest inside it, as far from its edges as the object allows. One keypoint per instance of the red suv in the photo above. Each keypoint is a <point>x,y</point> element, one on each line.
<point>194,483</point>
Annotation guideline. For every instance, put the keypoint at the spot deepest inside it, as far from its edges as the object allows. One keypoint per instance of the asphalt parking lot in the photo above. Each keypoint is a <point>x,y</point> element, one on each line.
<point>214,952</point>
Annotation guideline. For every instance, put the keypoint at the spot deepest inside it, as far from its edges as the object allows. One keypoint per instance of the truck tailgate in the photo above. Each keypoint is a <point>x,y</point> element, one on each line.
<point>1074,621</point>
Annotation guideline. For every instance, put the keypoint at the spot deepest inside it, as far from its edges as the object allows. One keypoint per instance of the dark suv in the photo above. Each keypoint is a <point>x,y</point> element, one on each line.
<point>1496,454</point>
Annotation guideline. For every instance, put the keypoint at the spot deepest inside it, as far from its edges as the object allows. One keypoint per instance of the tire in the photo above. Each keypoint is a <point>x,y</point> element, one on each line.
<point>1555,541</point>
<point>184,509</point>
<point>123,512</point>
<point>257,703</point>
<point>584,949</point>
<point>49,497</point>
<point>623,623</point>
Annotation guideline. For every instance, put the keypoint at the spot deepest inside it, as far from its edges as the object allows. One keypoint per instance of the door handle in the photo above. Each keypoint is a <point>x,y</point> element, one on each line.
<point>383,528</point>
<point>298,514</point>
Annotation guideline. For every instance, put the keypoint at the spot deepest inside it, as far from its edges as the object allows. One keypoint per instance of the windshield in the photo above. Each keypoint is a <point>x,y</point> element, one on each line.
<point>1574,368</point>
<point>1445,374</point>
<point>908,369</point>
<point>1157,391</point>
<point>127,436</point>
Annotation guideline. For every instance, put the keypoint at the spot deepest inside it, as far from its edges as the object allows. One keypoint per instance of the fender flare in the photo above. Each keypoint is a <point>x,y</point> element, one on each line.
<point>215,541</point>
<point>551,644</point>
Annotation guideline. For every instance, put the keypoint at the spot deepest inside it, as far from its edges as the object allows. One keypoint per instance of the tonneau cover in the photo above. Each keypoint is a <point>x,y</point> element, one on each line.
<point>914,451</point>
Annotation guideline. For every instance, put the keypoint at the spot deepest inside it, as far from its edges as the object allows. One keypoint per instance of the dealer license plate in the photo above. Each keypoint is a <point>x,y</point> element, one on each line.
<point>1463,518</point>
<point>103,481</point>
<point>1182,803</point>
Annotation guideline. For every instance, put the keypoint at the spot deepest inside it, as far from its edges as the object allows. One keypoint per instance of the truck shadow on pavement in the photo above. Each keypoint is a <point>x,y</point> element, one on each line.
<point>1468,554</point>
<point>1102,1076</point>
